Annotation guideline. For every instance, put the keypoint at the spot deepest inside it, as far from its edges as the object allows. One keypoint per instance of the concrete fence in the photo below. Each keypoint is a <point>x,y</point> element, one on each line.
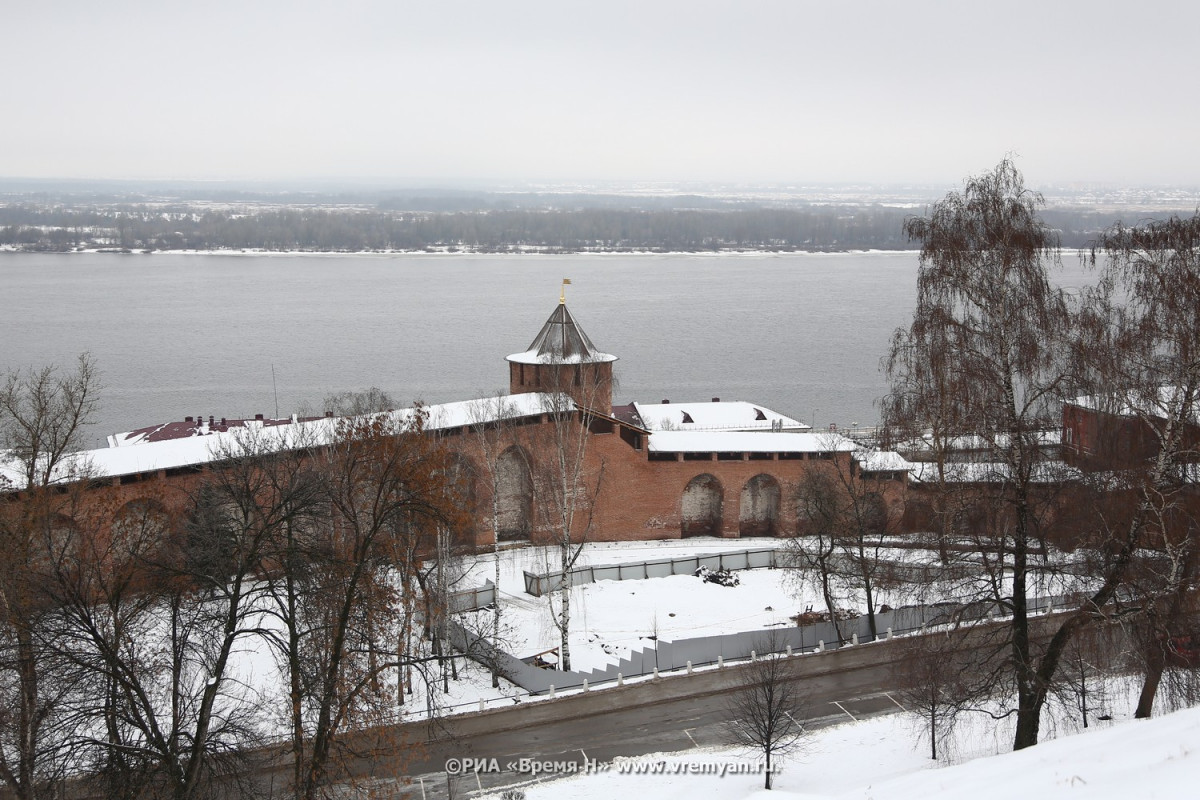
<point>472,599</point>
<point>705,650</point>
<point>538,585</point>
<point>899,571</point>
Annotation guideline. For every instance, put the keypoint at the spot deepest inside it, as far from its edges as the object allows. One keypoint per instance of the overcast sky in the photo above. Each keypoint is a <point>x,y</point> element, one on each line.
<point>776,91</point>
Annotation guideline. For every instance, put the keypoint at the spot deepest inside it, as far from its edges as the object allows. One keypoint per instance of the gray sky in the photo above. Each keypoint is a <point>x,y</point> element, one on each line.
<point>678,90</point>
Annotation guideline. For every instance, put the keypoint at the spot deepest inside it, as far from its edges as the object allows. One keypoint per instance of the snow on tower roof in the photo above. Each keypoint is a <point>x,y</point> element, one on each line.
<point>561,341</point>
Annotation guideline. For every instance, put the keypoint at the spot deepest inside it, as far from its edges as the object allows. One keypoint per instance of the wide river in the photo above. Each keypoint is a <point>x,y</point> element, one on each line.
<point>177,335</point>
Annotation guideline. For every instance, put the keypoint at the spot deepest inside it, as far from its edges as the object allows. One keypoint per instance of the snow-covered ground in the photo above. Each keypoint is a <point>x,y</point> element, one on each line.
<point>610,618</point>
<point>885,759</point>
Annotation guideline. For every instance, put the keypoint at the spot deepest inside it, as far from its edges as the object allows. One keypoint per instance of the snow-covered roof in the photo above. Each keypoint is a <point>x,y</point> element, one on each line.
<point>882,461</point>
<point>1136,403</point>
<point>989,472</point>
<point>193,426</point>
<point>735,415</point>
<point>561,341</point>
<point>925,443</point>
<point>150,456</point>
<point>747,442</point>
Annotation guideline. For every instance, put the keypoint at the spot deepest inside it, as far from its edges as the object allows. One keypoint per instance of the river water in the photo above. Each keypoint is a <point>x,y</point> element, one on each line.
<point>177,335</point>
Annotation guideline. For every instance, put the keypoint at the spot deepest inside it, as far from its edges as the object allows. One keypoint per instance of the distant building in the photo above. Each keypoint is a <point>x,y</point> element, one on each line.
<point>1119,431</point>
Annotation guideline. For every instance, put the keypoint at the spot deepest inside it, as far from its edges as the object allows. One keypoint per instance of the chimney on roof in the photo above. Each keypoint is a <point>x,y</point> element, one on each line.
<point>665,401</point>
<point>187,419</point>
<point>716,399</point>
<point>210,420</point>
<point>258,416</point>
<point>329,413</point>
<point>223,421</point>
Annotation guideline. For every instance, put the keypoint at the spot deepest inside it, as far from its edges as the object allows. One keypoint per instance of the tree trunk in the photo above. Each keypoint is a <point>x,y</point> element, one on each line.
<point>564,622</point>
<point>1156,662</point>
<point>28,713</point>
<point>870,591</point>
<point>496,589</point>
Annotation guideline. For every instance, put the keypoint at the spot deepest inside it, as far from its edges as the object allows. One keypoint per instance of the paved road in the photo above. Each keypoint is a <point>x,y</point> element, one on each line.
<point>669,714</point>
<point>700,728</point>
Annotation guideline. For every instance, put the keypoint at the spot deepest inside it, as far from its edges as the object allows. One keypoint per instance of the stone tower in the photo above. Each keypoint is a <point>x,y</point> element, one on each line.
<point>563,359</point>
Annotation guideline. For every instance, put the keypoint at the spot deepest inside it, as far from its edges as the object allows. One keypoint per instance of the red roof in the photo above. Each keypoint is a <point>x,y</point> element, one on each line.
<point>193,426</point>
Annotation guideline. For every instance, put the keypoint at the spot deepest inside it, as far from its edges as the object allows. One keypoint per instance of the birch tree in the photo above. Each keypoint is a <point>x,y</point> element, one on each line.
<point>1139,346</point>
<point>491,428</point>
<point>985,357</point>
<point>567,486</point>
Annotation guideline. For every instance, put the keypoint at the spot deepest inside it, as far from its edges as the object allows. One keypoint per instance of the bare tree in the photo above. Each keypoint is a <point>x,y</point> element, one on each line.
<point>358,403</point>
<point>813,554</point>
<point>1140,349</point>
<point>385,481</point>
<point>567,486</point>
<point>1093,655</point>
<point>766,707</point>
<point>160,605</point>
<point>491,427</point>
<point>845,518</point>
<point>43,415</point>
<point>939,679</point>
<point>985,357</point>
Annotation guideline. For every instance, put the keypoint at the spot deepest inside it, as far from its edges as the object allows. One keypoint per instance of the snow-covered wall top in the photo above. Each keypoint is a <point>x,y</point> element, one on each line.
<point>130,459</point>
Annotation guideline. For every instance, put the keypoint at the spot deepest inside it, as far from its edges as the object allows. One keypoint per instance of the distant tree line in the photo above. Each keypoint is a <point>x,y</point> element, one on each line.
<point>34,227</point>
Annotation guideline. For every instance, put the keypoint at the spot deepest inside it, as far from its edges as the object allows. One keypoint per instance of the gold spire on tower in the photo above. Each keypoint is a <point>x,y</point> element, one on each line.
<point>562,292</point>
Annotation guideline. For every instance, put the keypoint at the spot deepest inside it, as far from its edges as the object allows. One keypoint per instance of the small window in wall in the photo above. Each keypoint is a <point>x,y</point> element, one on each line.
<point>791,456</point>
<point>760,456</point>
<point>697,456</point>
<point>729,456</point>
<point>176,471</point>
<point>633,438</point>
<point>599,425</point>
<point>656,456</point>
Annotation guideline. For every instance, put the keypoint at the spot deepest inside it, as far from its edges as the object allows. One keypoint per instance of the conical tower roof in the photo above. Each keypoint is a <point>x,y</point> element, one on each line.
<point>561,341</point>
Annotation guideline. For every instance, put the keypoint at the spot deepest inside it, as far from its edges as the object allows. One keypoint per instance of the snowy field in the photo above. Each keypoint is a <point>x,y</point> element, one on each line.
<point>885,758</point>
<point>610,618</point>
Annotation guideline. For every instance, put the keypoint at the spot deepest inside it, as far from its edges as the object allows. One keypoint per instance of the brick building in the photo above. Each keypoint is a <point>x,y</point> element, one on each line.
<point>1125,430</point>
<point>645,471</point>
